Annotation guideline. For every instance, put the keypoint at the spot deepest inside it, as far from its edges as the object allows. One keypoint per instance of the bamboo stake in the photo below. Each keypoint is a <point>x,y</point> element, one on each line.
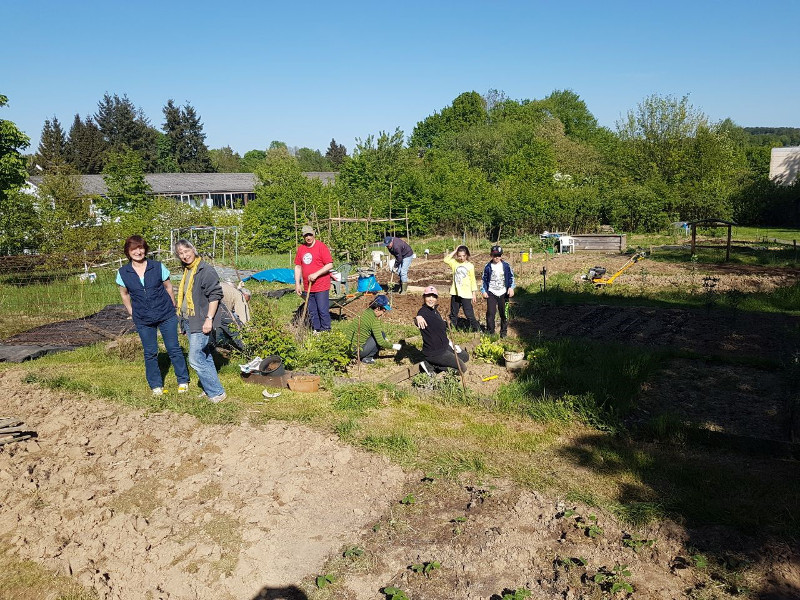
<point>305,307</point>
<point>458,365</point>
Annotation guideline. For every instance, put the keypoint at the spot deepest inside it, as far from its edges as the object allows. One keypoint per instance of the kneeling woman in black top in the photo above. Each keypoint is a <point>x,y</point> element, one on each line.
<point>438,350</point>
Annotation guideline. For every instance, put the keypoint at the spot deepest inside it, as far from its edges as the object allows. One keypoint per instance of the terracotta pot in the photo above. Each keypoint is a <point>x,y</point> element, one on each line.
<point>304,383</point>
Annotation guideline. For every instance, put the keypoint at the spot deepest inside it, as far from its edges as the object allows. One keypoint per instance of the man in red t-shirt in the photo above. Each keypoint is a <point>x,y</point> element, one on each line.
<point>313,263</point>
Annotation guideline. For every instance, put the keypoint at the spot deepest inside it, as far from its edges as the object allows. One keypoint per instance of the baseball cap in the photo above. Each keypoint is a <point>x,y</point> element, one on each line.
<point>431,291</point>
<point>496,251</point>
<point>307,229</point>
<point>387,240</point>
<point>381,301</point>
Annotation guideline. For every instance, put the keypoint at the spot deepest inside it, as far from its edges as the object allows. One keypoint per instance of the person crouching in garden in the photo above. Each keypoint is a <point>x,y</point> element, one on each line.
<point>148,297</point>
<point>199,295</point>
<point>366,334</point>
<point>439,351</point>
<point>497,286</point>
<point>462,291</point>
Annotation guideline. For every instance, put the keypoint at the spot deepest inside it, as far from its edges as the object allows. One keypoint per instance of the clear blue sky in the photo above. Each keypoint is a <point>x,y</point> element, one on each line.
<point>306,72</point>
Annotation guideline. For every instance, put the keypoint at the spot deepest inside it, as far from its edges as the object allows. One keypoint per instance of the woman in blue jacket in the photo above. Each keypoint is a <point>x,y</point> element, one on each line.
<point>147,294</point>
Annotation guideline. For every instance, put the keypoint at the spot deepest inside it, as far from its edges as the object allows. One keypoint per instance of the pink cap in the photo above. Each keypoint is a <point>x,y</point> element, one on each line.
<point>430,290</point>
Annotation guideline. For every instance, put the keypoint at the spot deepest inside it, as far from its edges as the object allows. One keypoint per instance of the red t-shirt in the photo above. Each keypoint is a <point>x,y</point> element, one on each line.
<point>312,260</point>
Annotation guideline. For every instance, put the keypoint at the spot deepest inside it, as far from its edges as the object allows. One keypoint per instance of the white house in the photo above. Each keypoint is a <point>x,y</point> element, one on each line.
<point>784,164</point>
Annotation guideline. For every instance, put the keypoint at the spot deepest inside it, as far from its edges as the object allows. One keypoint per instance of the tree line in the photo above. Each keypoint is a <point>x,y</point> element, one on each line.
<point>486,163</point>
<point>118,127</point>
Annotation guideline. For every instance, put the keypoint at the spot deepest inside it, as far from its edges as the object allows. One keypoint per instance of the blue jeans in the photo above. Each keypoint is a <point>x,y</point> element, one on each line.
<point>201,360</point>
<point>149,336</point>
<point>319,309</point>
<point>402,270</point>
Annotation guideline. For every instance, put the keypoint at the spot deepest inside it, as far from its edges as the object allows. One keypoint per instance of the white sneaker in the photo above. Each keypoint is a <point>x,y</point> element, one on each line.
<point>183,388</point>
<point>218,399</point>
<point>158,391</point>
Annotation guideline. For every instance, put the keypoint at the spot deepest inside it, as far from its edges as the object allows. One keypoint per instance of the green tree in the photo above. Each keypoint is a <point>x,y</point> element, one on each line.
<point>568,108</point>
<point>225,160</point>
<point>252,159</point>
<point>126,127</point>
<point>127,186</point>
<point>658,133</point>
<point>268,221</point>
<point>16,209</point>
<point>336,154</point>
<point>467,109</point>
<point>312,160</point>
<point>86,147</point>
<point>52,151</point>
<point>186,139</point>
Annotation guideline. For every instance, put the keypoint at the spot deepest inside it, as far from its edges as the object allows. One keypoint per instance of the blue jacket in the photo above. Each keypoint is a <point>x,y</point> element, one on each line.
<point>150,302</point>
<point>487,276</point>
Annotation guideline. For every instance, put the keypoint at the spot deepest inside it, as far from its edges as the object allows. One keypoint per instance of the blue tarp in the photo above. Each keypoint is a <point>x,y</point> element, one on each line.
<point>282,275</point>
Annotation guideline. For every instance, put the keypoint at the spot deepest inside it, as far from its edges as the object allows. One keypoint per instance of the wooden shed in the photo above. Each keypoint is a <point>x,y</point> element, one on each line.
<point>612,242</point>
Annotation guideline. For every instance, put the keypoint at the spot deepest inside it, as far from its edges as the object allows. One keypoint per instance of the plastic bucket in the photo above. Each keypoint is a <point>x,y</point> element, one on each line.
<point>525,257</point>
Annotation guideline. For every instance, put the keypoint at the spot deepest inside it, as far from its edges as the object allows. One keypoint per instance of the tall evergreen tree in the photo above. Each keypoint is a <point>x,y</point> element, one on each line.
<point>85,146</point>
<point>336,154</point>
<point>184,132</point>
<point>126,127</point>
<point>52,151</point>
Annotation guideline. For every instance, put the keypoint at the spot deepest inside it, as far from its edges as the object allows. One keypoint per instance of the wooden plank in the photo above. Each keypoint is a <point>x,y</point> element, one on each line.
<point>10,421</point>
<point>405,373</point>
<point>5,430</point>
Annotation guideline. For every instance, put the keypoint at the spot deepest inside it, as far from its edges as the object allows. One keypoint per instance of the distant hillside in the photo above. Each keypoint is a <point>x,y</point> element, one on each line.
<point>774,136</point>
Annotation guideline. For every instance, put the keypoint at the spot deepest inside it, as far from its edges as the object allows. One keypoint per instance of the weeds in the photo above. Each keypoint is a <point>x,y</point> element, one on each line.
<point>395,593</point>
<point>636,543</point>
<point>425,568</point>
<point>324,581</point>
<point>615,580</point>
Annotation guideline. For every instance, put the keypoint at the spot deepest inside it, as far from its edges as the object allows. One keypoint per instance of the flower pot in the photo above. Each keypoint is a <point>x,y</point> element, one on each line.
<point>304,383</point>
<point>513,357</point>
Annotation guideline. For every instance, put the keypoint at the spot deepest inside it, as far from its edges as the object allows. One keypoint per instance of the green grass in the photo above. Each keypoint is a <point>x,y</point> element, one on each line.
<point>260,262</point>
<point>25,306</point>
<point>26,580</point>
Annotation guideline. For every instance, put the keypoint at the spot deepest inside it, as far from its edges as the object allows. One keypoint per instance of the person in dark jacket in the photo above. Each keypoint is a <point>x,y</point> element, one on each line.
<point>148,297</point>
<point>199,295</point>
<point>439,351</point>
<point>497,286</point>
<point>403,255</point>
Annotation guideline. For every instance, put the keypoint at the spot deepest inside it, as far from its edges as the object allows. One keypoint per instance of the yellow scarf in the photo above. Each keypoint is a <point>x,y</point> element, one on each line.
<point>191,270</point>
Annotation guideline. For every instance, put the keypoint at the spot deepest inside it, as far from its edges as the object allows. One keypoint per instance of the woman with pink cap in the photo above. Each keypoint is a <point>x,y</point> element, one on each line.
<point>437,348</point>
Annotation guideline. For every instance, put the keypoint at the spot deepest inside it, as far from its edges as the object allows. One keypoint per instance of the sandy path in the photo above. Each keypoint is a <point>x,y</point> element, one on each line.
<point>160,506</point>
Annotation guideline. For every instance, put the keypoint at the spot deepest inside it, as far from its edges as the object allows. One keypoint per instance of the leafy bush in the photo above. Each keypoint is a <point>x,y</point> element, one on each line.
<point>266,334</point>
<point>489,351</point>
<point>325,353</point>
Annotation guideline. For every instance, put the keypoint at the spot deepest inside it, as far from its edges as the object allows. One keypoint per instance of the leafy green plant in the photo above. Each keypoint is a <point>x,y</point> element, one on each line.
<point>588,525</point>
<point>266,334</point>
<point>615,580</point>
<point>518,594</point>
<point>699,561</point>
<point>395,593</point>
<point>353,552</point>
<point>324,580</point>
<point>570,562</point>
<point>408,500</point>
<point>636,543</point>
<point>489,351</point>
<point>426,568</point>
<point>325,353</point>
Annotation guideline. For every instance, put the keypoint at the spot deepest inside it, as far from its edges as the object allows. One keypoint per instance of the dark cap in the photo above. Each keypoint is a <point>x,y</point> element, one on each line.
<point>496,251</point>
<point>387,240</point>
<point>381,301</point>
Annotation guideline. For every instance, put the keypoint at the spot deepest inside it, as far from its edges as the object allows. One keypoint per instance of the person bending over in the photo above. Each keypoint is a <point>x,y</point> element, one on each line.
<point>366,334</point>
